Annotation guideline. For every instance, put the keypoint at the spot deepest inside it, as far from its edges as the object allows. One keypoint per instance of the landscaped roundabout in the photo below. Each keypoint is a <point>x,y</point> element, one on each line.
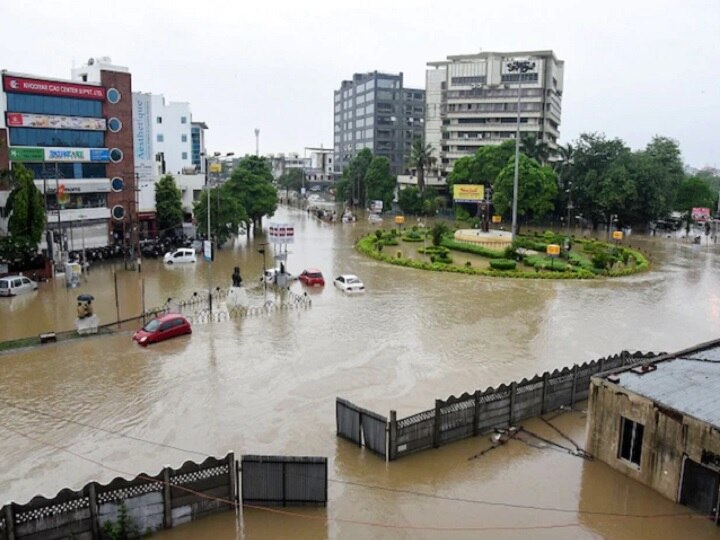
<point>467,251</point>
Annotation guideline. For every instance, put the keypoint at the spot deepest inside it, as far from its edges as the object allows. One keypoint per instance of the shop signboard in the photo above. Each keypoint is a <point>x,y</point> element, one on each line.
<point>55,122</point>
<point>20,153</point>
<point>25,85</point>
<point>700,214</point>
<point>468,193</point>
<point>76,155</point>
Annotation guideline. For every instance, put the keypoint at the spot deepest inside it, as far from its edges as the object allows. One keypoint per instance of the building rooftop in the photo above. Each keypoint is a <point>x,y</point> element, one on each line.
<point>688,382</point>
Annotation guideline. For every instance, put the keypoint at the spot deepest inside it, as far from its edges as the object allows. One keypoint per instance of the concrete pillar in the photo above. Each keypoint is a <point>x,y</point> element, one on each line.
<point>167,494</point>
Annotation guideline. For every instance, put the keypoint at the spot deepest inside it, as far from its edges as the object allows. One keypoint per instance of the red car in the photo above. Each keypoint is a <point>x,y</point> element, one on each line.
<point>312,276</point>
<point>162,328</point>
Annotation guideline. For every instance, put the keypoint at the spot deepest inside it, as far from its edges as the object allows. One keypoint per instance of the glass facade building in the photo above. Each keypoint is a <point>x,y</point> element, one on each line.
<point>374,110</point>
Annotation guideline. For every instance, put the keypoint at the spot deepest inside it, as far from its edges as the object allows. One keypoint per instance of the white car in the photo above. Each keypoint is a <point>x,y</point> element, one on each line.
<point>349,283</point>
<point>14,285</point>
<point>182,255</point>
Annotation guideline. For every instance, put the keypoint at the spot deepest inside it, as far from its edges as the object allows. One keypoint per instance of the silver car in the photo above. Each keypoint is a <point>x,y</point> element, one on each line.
<point>14,285</point>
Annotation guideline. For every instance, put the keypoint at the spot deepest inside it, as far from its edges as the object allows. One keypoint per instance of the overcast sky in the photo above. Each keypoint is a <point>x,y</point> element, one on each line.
<point>633,68</point>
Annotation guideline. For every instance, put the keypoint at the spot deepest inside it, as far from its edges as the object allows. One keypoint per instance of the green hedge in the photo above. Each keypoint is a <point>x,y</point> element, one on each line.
<point>453,244</point>
<point>562,270</point>
<point>503,264</point>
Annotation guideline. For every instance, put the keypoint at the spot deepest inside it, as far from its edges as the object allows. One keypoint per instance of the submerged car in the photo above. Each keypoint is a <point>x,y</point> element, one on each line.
<point>162,328</point>
<point>182,255</point>
<point>312,277</point>
<point>349,283</point>
<point>14,285</point>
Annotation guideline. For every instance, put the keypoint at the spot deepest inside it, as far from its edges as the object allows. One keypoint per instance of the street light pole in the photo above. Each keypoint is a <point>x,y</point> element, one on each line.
<point>521,67</point>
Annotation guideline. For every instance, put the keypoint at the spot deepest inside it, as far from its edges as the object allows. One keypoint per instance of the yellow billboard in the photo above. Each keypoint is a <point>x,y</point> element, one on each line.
<point>468,193</point>
<point>215,167</point>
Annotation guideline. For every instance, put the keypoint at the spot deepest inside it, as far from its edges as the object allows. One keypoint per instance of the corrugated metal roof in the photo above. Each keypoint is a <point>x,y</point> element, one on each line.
<point>689,384</point>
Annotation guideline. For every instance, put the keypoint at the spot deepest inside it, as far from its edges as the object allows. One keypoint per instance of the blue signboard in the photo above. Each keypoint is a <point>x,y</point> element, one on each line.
<point>99,154</point>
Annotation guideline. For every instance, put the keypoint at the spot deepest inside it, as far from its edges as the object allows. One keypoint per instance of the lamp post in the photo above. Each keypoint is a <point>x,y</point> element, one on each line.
<point>521,67</point>
<point>569,206</point>
<point>208,247</point>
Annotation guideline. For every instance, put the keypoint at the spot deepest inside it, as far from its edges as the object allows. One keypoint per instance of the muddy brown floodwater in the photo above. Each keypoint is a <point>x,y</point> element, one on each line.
<point>267,385</point>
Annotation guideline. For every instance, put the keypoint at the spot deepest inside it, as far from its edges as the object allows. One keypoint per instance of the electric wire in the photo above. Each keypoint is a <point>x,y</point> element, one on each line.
<point>348,482</point>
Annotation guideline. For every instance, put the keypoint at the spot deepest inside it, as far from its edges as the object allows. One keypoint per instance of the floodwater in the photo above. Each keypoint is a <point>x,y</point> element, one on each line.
<point>267,385</point>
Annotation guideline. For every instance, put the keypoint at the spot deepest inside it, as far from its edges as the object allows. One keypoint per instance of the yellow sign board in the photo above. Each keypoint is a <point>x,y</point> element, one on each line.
<point>215,167</point>
<point>497,219</point>
<point>553,249</point>
<point>617,235</point>
<point>399,220</point>
<point>472,193</point>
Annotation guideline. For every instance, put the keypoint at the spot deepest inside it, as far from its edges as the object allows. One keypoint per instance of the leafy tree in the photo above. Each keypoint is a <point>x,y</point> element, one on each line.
<point>227,214</point>
<point>484,166</point>
<point>694,192</point>
<point>380,182</point>
<point>410,201</point>
<point>536,188</point>
<point>26,208</point>
<point>352,186</point>
<point>532,147</point>
<point>593,156</point>
<point>168,203</point>
<point>421,158</point>
<point>250,184</point>
<point>293,179</point>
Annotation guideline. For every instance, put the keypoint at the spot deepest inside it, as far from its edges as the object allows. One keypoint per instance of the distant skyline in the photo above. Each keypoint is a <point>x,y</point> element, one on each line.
<point>632,69</point>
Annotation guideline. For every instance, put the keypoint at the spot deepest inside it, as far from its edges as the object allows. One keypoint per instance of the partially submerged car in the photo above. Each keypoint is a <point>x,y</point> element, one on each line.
<point>161,328</point>
<point>349,283</point>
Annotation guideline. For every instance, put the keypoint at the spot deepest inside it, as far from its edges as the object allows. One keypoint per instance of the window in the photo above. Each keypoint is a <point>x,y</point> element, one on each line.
<point>160,137</point>
<point>113,95</point>
<point>116,155</point>
<point>183,119</point>
<point>54,105</point>
<point>56,137</point>
<point>114,125</point>
<point>468,80</point>
<point>184,155</point>
<point>67,170</point>
<point>631,438</point>
<point>159,120</point>
<point>183,138</point>
<point>118,212</point>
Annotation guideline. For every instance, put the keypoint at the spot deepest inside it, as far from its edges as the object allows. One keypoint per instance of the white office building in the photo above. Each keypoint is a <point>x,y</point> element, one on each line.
<point>472,100</point>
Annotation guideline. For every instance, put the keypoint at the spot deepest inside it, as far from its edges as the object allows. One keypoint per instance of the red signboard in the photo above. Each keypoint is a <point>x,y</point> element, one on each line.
<point>52,88</point>
<point>700,214</point>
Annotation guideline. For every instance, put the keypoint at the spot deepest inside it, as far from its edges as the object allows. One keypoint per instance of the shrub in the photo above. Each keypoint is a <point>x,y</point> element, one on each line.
<point>438,231</point>
<point>461,214</point>
<point>472,248</point>
<point>378,234</point>
<point>503,264</point>
<point>413,236</point>
<point>434,250</point>
<point>468,264</point>
<point>601,260</point>
<point>443,258</point>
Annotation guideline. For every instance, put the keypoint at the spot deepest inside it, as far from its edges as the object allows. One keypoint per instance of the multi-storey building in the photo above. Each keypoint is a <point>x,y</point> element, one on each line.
<point>170,128</point>
<point>374,110</point>
<point>167,141</point>
<point>472,101</point>
<point>76,138</point>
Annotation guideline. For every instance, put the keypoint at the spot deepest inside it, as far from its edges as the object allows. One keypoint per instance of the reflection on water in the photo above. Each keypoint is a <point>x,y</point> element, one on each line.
<point>267,385</point>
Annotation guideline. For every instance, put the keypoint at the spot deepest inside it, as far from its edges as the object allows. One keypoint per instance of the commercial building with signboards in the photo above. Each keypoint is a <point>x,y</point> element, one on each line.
<point>659,423</point>
<point>472,100</point>
<point>76,137</point>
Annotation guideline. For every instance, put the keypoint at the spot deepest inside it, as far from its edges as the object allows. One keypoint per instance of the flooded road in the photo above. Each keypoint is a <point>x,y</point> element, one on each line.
<point>267,385</point>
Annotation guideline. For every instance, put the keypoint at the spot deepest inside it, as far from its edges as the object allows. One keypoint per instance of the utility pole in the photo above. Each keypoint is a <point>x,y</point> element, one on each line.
<point>257,141</point>
<point>521,67</point>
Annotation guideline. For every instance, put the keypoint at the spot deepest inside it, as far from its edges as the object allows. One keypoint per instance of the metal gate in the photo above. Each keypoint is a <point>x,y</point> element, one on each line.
<point>361,426</point>
<point>700,488</point>
<point>284,481</point>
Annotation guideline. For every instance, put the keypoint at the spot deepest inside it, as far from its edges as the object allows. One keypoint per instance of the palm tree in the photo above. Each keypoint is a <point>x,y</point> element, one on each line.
<point>420,158</point>
<point>532,148</point>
